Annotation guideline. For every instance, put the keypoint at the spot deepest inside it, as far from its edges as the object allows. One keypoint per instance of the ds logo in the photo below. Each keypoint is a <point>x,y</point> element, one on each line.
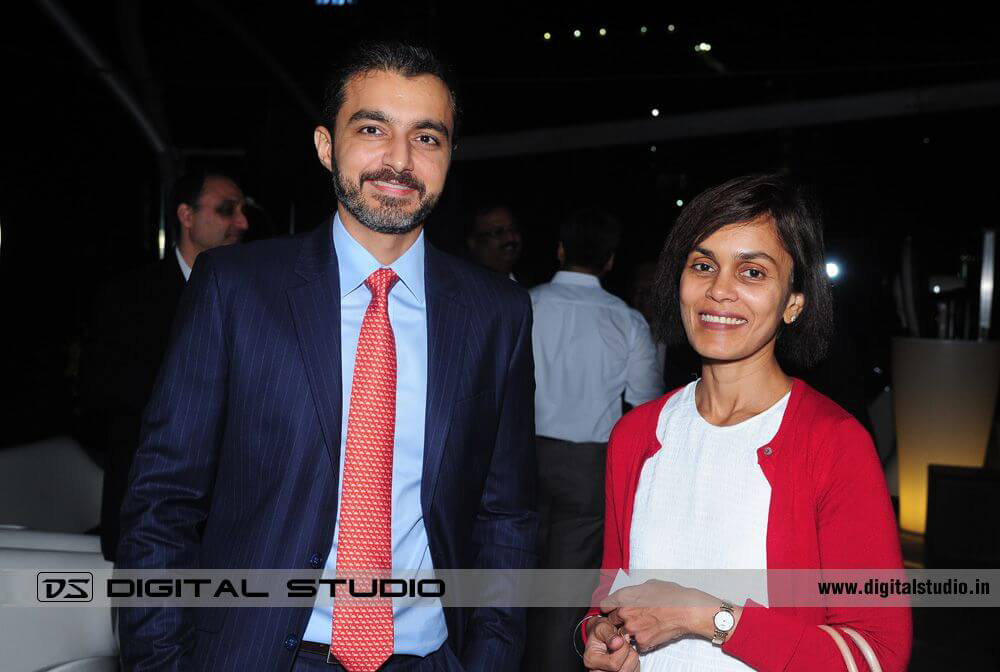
<point>65,587</point>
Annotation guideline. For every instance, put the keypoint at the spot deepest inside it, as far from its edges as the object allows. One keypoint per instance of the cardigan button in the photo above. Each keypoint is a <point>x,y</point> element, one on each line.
<point>767,450</point>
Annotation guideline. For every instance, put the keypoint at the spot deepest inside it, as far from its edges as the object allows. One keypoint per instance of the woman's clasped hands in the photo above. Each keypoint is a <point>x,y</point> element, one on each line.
<point>641,618</point>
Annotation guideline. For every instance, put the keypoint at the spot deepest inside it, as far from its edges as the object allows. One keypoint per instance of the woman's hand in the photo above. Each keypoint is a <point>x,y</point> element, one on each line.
<point>607,650</point>
<point>657,612</point>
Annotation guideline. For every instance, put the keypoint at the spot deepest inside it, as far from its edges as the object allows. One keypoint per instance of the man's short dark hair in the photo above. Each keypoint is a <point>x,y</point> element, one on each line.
<point>589,237</point>
<point>408,60</point>
<point>187,190</point>
<point>800,230</point>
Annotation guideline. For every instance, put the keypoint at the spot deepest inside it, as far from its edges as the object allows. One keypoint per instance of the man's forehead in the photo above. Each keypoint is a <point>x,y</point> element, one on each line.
<point>498,215</point>
<point>398,96</point>
<point>222,187</point>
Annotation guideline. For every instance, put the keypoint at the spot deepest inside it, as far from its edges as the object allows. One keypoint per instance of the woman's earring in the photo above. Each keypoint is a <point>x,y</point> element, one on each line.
<point>795,317</point>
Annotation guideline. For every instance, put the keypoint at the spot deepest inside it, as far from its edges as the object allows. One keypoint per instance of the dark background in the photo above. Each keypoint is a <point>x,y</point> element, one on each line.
<point>79,184</point>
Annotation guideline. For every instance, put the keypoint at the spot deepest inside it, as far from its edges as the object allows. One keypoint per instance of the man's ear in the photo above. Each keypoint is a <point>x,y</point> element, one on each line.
<point>185,214</point>
<point>324,146</point>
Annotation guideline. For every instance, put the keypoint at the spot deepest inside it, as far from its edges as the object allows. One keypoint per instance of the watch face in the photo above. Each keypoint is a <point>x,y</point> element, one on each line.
<point>724,621</point>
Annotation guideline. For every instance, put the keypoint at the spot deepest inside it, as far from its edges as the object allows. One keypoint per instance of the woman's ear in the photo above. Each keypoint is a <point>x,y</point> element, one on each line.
<point>796,304</point>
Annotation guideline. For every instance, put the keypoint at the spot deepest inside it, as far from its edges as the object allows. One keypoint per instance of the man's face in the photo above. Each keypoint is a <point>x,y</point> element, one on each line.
<point>391,149</point>
<point>219,218</point>
<point>496,241</point>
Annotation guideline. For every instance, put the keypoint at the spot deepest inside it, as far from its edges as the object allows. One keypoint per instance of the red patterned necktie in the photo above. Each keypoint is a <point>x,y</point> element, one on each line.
<point>362,637</point>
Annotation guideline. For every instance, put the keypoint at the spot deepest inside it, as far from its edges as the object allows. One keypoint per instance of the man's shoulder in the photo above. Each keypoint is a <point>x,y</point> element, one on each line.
<point>151,280</point>
<point>478,284</point>
<point>265,259</point>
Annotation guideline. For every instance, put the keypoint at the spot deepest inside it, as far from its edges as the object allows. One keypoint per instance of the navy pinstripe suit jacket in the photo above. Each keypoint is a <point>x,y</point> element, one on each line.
<point>239,458</point>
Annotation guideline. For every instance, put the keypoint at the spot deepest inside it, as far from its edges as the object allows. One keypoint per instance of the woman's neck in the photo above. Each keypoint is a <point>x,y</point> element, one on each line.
<point>731,392</point>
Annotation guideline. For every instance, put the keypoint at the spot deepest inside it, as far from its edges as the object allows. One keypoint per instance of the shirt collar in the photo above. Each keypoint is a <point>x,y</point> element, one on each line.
<point>574,278</point>
<point>185,269</point>
<point>355,263</point>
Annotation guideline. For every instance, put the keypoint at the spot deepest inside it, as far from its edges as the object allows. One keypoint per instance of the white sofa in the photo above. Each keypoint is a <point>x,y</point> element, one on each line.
<point>50,485</point>
<point>54,638</point>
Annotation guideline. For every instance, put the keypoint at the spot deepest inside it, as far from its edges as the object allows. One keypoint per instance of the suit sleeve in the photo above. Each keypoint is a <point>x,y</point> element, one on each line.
<point>506,524</point>
<point>174,469</point>
<point>856,529</point>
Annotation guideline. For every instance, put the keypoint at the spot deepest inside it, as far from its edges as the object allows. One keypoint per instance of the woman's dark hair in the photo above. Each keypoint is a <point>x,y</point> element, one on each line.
<point>408,60</point>
<point>799,226</point>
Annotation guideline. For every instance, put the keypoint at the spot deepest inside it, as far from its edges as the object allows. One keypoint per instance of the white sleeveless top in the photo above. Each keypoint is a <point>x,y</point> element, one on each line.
<point>702,503</point>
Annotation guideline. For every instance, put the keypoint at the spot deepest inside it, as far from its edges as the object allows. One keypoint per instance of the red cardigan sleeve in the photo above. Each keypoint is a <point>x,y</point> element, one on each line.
<point>626,448</point>
<point>856,529</point>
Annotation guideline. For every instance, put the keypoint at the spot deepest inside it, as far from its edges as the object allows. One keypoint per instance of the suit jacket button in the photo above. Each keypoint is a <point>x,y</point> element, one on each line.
<point>291,642</point>
<point>767,450</point>
<point>315,561</point>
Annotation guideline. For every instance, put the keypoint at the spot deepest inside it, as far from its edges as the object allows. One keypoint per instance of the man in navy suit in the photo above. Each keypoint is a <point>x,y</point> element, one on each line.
<point>354,364</point>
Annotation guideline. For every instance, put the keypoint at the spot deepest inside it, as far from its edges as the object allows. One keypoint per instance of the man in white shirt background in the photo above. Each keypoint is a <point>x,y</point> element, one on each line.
<point>591,351</point>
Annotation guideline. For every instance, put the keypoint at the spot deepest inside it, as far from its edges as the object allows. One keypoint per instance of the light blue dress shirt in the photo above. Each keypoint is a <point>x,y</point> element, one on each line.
<point>419,630</point>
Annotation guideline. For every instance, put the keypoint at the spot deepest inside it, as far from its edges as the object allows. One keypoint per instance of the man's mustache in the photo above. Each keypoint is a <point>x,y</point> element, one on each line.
<point>403,179</point>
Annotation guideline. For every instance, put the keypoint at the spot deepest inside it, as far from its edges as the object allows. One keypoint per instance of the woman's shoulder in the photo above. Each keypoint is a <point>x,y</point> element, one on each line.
<point>637,428</point>
<point>819,411</point>
<point>832,435</point>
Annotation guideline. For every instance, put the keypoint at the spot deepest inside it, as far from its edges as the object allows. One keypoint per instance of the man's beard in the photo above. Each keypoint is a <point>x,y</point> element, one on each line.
<point>391,217</point>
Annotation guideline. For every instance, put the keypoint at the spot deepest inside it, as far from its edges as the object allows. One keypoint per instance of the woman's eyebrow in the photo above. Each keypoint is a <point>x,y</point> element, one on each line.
<point>756,254</point>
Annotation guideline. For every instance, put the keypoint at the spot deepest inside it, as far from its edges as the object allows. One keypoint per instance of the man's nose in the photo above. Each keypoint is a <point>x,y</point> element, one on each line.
<point>240,220</point>
<point>398,155</point>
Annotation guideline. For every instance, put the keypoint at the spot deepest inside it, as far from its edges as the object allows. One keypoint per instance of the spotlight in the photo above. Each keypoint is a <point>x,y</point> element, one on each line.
<point>832,269</point>
<point>655,112</point>
<point>680,202</point>
<point>652,148</point>
<point>547,36</point>
<point>703,47</point>
<point>602,32</point>
<point>577,33</point>
<point>643,29</point>
<point>671,28</point>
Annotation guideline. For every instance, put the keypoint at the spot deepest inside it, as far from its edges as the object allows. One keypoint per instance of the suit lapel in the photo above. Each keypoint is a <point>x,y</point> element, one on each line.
<point>315,308</point>
<point>447,327</point>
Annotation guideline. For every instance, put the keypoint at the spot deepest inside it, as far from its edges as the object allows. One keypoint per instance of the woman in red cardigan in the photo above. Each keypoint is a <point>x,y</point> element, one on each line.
<point>745,468</point>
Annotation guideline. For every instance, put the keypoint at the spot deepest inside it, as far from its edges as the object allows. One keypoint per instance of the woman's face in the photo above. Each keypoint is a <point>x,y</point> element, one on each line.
<point>736,289</point>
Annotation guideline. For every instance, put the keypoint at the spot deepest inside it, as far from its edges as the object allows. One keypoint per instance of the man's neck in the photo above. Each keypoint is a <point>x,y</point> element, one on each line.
<point>580,269</point>
<point>385,247</point>
<point>188,251</point>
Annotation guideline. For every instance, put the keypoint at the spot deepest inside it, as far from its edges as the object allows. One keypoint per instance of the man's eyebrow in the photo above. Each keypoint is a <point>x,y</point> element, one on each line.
<point>430,124</point>
<point>382,117</point>
<point>370,115</point>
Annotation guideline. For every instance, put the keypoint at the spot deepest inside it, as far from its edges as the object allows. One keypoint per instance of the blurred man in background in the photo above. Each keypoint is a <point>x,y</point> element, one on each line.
<point>130,326</point>
<point>493,239</point>
<point>590,350</point>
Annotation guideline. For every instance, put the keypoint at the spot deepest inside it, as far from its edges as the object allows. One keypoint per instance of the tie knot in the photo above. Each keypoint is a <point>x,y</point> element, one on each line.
<point>380,282</point>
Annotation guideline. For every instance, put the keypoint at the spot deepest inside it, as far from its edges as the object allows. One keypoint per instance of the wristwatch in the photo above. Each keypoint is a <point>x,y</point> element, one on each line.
<point>724,622</point>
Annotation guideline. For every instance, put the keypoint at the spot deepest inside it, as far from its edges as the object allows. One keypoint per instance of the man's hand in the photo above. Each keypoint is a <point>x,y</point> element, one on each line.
<point>608,650</point>
<point>657,612</point>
